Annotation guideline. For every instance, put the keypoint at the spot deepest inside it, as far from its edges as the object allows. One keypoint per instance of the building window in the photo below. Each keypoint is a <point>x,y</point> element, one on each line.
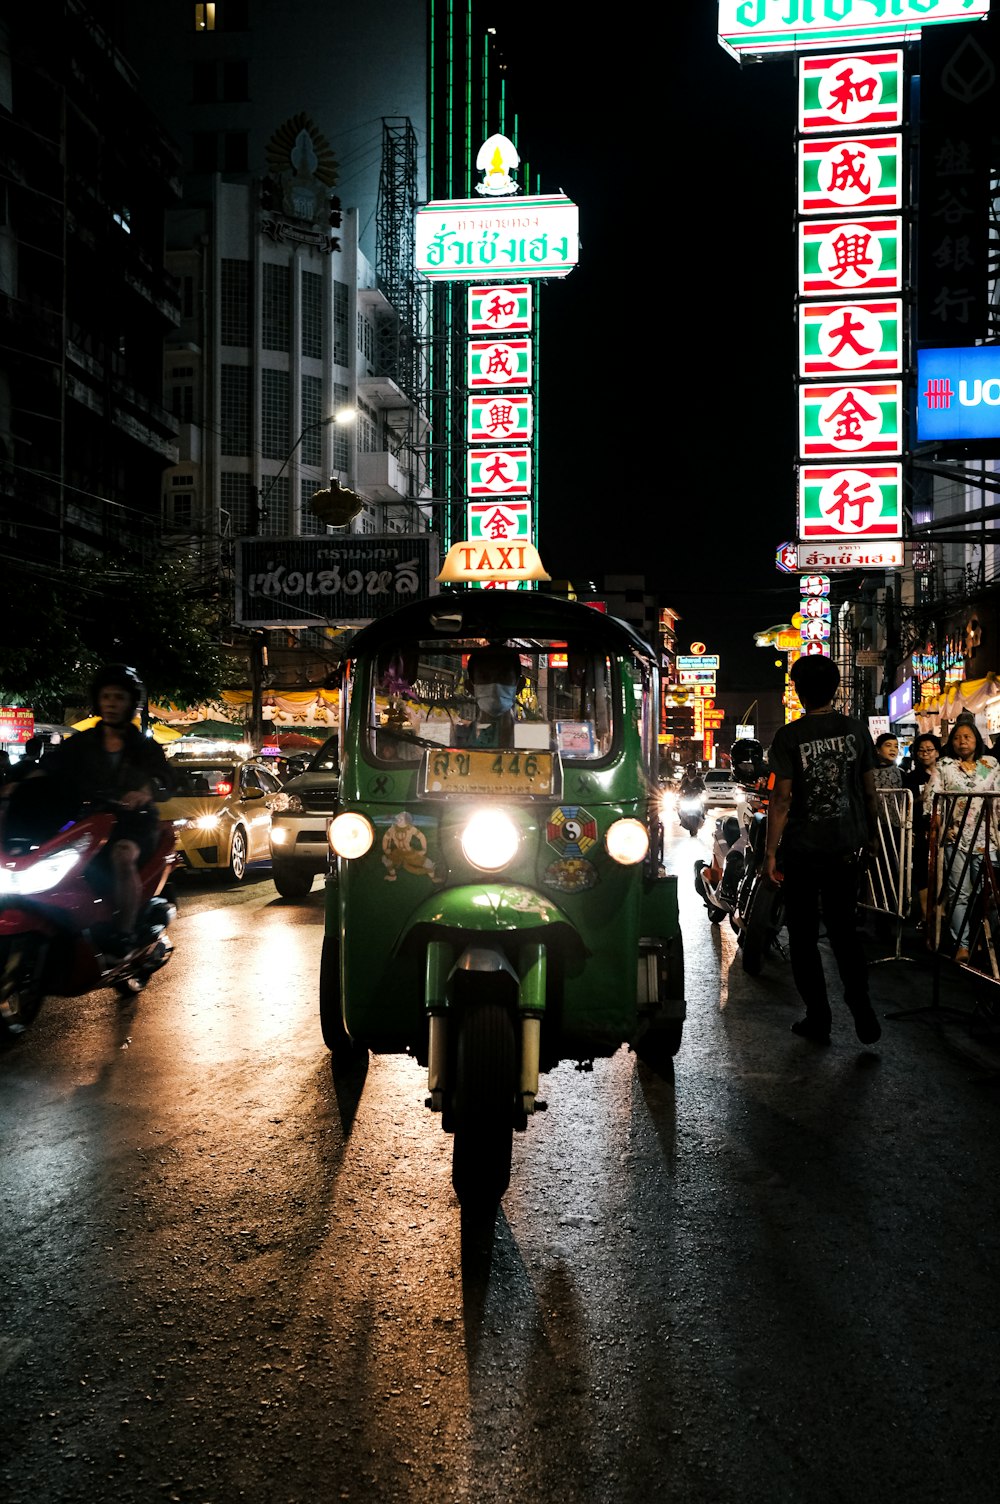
<point>312,316</point>
<point>203,83</point>
<point>311,524</point>
<point>235,312</point>
<point>312,411</point>
<point>340,324</point>
<point>367,427</point>
<point>235,151</point>
<point>187,297</point>
<point>276,321</point>
<point>234,498</point>
<point>275,493</point>
<point>181,399</point>
<point>235,81</point>
<point>235,413</point>
<point>339,459</point>
<point>365,339</point>
<point>274,414</point>
<point>203,151</point>
<point>204,17</point>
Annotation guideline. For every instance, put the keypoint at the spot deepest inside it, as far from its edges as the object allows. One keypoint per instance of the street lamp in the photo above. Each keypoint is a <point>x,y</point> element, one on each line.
<point>258,498</point>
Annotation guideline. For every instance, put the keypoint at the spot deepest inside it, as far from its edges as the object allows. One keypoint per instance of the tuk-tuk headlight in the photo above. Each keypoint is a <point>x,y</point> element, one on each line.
<point>490,840</point>
<point>350,836</point>
<point>627,842</point>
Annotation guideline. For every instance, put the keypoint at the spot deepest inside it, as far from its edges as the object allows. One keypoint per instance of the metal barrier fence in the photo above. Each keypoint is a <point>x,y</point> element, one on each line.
<point>887,886</point>
<point>963,890</point>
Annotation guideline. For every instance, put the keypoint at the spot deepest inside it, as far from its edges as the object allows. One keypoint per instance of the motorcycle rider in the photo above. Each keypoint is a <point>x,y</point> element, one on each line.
<point>113,762</point>
<point>692,782</point>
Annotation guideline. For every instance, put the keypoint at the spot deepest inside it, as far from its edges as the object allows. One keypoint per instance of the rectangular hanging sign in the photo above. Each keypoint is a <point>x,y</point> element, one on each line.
<point>861,419</point>
<point>331,581</point>
<point>498,472</point>
<point>838,339</point>
<point>849,256</point>
<point>854,91</point>
<point>768,26</point>
<point>841,502</point>
<point>500,310</point>
<point>465,239</point>
<point>498,520</point>
<point>841,174</point>
<point>500,418</point>
<point>499,362</point>
<point>958,393</point>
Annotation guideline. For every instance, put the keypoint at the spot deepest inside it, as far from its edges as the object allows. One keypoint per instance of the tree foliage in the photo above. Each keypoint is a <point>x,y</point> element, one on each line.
<point>58,628</point>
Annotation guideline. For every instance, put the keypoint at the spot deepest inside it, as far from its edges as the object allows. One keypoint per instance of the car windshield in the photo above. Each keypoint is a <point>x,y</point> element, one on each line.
<point>209,780</point>
<point>537,696</point>
<point>326,759</point>
<point>722,776</point>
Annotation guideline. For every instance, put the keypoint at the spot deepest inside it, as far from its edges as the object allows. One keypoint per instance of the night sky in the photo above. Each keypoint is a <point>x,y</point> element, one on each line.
<point>668,355</point>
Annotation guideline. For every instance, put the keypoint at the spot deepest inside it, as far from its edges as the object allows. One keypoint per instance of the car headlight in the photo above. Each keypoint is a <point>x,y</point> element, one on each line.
<point>182,824</point>
<point>293,805</point>
<point>279,835</point>
<point>206,822</point>
<point>490,840</point>
<point>627,842</point>
<point>350,836</point>
<point>41,876</point>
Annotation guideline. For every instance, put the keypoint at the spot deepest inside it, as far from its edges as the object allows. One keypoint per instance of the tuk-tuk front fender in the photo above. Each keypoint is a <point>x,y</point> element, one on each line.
<point>500,910</point>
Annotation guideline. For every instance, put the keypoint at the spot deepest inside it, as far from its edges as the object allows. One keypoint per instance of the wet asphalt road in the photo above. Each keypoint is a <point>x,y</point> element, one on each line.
<point>771,1278</point>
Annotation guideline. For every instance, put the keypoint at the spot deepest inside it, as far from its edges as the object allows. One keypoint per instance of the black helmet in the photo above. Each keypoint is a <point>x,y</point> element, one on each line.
<point>121,676</point>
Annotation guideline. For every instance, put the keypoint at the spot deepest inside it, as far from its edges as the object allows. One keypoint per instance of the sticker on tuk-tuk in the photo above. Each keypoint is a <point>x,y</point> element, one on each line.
<point>487,772</point>
<point>404,848</point>
<point>572,830</point>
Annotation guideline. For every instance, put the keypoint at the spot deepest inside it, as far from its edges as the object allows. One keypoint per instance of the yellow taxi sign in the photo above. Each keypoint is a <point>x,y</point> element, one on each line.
<point>476,560</point>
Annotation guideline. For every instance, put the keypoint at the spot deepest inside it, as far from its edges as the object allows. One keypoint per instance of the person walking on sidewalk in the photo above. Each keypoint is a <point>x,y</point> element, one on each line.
<point>965,767</point>
<point>823,812</point>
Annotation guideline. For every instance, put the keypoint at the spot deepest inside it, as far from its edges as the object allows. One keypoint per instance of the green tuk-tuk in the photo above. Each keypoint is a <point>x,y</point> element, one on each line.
<point>498,903</point>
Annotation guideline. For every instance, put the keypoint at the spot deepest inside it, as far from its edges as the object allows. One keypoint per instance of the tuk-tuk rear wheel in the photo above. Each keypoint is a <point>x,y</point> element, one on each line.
<point>485,1066</point>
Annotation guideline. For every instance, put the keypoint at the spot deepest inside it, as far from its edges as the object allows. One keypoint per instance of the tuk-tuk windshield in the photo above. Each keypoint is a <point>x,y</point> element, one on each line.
<point>542,696</point>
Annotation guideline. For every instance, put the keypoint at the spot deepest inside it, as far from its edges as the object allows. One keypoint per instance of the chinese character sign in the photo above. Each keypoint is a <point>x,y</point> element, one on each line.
<point>499,471</point>
<point>857,501</point>
<point>859,90</point>
<point>502,418</point>
<point>850,172</point>
<point>500,310</point>
<point>863,419</point>
<point>841,338</point>
<point>494,363</point>
<point>498,521</point>
<point>850,256</point>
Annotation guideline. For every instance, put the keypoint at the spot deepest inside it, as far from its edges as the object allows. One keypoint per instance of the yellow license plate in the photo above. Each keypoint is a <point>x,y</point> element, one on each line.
<point>485,772</point>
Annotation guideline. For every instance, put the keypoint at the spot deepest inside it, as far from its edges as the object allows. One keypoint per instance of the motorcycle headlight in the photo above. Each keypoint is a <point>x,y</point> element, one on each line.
<point>689,806</point>
<point>41,876</point>
<point>350,836</point>
<point>490,840</point>
<point>627,842</point>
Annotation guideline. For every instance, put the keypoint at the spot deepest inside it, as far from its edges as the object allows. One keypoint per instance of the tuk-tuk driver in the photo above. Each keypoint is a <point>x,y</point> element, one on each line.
<point>494,675</point>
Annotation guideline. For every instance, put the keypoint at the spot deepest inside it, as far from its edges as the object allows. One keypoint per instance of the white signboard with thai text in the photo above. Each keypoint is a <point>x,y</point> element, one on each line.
<point>463,239</point>
<point>768,26</point>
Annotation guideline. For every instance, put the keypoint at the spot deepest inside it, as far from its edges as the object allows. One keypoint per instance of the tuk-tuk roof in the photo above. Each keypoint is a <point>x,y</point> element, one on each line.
<point>496,613</point>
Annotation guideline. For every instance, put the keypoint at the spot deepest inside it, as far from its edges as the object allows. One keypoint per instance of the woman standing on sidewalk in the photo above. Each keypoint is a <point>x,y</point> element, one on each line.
<point>925,751</point>
<point>964,768</point>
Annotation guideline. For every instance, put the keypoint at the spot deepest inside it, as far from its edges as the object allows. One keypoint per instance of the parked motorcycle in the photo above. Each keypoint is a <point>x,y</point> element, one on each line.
<point>718,882</point>
<point>691,812</point>
<point>55,909</point>
<point>760,912</point>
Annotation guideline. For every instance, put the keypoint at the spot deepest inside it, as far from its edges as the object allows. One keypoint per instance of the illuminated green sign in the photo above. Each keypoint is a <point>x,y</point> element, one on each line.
<point>766,26</point>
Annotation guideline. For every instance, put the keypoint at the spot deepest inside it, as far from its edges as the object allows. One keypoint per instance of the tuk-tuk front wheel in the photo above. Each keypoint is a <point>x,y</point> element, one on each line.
<point>485,1081</point>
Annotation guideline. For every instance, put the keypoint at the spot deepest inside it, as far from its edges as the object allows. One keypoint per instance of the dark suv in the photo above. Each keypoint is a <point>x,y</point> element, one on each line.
<point>299,847</point>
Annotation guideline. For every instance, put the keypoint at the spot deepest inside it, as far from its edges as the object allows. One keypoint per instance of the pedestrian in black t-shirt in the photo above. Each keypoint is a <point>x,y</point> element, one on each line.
<point>822,810</point>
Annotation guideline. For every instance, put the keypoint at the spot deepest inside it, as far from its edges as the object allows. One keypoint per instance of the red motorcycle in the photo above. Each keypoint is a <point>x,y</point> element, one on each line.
<point>56,912</point>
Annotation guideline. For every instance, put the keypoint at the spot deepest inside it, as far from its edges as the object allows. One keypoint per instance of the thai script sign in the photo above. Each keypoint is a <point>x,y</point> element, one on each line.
<point>17,723</point>
<point>465,239</point>
<point>958,393</point>
<point>850,172</point>
<point>850,255</point>
<point>839,338</point>
<point>697,660</point>
<point>860,89</point>
<point>502,418</point>
<point>765,26</point>
<point>862,419</point>
<point>498,520</point>
<point>304,582</point>
<point>696,676</point>
<point>494,363</point>
<point>860,501</point>
<point>841,556</point>
<point>498,472</point>
<point>494,309</point>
